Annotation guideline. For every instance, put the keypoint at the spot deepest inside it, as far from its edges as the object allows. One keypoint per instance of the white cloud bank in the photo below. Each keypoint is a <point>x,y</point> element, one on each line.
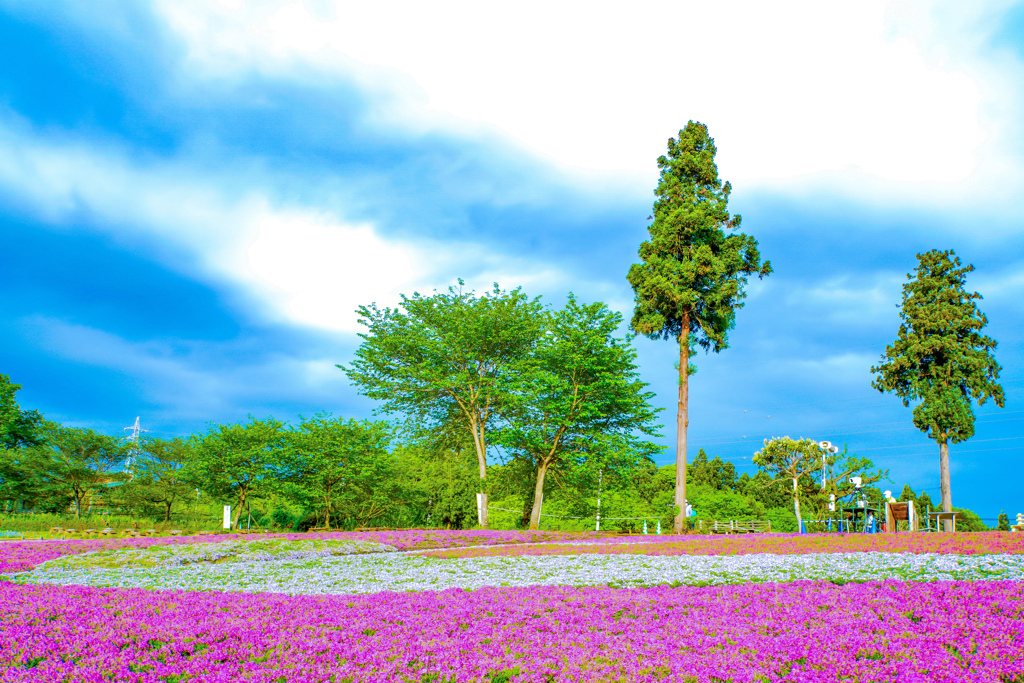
<point>857,96</point>
<point>193,380</point>
<point>305,264</point>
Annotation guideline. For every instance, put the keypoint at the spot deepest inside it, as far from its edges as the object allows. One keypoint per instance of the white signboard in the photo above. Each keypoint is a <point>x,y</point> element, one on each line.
<point>227,516</point>
<point>480,508</point>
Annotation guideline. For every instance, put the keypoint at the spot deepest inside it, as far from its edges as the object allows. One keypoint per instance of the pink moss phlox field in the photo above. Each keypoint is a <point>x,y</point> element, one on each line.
<point>803,631</point>
<point>974,543</point>
<point>19,556</point>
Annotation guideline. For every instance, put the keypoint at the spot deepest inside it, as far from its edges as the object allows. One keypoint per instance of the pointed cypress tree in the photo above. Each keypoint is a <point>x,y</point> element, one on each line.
<point>940,358</point>
<point>693,268</point>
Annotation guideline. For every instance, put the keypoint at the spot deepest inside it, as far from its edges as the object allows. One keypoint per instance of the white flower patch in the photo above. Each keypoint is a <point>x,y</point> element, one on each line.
<point>242,550</point>
<point>372,572</point>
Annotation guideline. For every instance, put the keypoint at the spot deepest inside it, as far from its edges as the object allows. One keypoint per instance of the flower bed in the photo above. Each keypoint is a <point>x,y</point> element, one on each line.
<point>803,631</point>
<point>975,543</point>
<point>19,556</point>
<point>337,567</point>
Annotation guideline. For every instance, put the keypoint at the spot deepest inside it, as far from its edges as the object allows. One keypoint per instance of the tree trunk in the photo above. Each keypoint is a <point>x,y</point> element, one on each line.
<point>78,502</point>
<point>682,421</point>
<point>480,444</point>
<point>947,495</point>
<point>238,509</point>
<point>538,494</point>
<point>167,510</point>
<point>327,506</point>
<point>796,509</point>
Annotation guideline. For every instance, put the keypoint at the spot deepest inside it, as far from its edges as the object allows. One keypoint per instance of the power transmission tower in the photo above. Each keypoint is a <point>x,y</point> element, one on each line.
<point>133,452</point>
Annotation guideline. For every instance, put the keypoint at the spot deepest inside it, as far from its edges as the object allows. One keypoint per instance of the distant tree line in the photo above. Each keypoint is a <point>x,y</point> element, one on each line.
<point>329,472</point>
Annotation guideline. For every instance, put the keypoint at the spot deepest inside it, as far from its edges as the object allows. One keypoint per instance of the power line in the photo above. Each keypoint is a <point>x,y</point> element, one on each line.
<point>775,412</point>
<point>954,453</point>
<point>711,441</point>
<point>794,405</point>
<point>880,448</point>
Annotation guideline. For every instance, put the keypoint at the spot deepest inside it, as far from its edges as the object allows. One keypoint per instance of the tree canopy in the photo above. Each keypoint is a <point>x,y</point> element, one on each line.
<point>159,476</point>
<point>83,461</point>
<point>238,461</point>
<point>580,398</point>
<point>941,360</point>
<point>18,428</point>
<point>345,466</point>
<point>694,267</point>
<point>449,357</point>
<point>791,458</point>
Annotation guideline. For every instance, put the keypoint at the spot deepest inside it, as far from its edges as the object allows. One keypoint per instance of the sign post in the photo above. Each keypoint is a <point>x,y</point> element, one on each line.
<point>227,516</point>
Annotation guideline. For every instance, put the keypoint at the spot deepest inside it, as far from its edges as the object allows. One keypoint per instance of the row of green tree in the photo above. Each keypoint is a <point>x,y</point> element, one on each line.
<point>331,472</point>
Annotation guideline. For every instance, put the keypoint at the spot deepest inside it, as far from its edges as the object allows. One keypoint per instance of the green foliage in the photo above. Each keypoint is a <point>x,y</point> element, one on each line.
<point>763,488</point>
<point>447,359</point>
<point>717,473</point>
<point>447,485</point>
<point>940,357</point>
<point>82,461</point>
<point>235,462</point>
<point>23,462</point>
<point>18,428</point>
<point>580,400</point>
<point>694,266</point>
<point>344,466</point>
<point>844,465</point>
<point>1004,521</point>
<point>790,459</point>
<point>969,521</point>
<point>783,520</point>
<point>724,504</point>
<point>907,494</point>
<point>159,478</point>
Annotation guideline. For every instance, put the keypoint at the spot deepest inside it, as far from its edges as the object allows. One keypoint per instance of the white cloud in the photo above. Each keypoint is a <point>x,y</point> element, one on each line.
<point>848,371</point>
<point>307,264</point>
<point>845,300</point>
<point>193,380</point>
<point>851,95</point>
<point>1006,287</point>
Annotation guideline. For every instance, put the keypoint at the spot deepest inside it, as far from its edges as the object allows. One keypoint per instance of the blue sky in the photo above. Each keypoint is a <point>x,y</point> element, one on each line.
<point>195,196</point>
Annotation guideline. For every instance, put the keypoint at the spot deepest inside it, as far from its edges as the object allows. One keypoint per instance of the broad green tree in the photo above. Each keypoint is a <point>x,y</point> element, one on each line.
<point>445,482</point>
<point>941,360</point>
<point>345,465</point>
<point>693,269</point>
<point>581,395</point>
<point>84,461</point>
<point>161,475</point>
<point>791,459</point>
<point>237,462</point>
<point>22,461</point>
<point>18,428</point>
<point>451,356</point>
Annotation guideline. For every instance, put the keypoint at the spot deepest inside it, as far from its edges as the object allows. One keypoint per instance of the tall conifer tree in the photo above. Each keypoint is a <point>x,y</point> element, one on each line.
<point>693,268</point>
<point>940,358</point>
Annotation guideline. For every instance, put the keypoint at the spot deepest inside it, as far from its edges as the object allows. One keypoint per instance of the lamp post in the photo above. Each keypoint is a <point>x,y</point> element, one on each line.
<point>826,449</point>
